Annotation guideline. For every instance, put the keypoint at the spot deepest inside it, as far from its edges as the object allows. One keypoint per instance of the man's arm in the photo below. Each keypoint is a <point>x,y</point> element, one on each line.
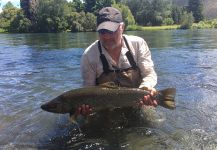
<point>146,66</point>
<point>87,72</point>
<point>149,76</point>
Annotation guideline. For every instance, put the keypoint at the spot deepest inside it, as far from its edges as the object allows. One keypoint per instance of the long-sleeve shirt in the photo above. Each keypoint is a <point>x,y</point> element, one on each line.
<point>92,68</point>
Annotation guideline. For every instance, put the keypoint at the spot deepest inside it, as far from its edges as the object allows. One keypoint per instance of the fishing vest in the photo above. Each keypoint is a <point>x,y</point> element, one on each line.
<point>129,77</point>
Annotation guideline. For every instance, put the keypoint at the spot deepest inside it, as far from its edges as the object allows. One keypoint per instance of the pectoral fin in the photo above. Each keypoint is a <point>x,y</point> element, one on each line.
<point>78,120</point>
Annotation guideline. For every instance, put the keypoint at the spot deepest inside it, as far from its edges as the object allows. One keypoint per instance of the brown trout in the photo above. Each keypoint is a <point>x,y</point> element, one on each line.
<point>103,97</point>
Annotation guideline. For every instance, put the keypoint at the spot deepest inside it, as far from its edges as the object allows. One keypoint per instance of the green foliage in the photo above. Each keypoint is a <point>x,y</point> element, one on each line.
<point>177,13</point>
<point>29,8</point>
<point>126,14</point>
<point>214,23</point>
<point>20,23</point>
<point>148,12</point>
<point>168,21</point>
<point>93,6</point>
<point>81,21</point>
<point>90,22</point>
<point>187,21</point>
<point>142,28</point>
<point>90,5</point>
<point>7,16</point>
<point>205,24</point>
<point>134,28</point>
<point>51,16</point>
<point>157,20</point>
<point>140,12</point>
<point>196,7</point>
<point>80,15</point>
<point>73,21</point>
<point>160,10</point>
<point>8,5</point>
<point>76,6</point>
<point>2,30</point>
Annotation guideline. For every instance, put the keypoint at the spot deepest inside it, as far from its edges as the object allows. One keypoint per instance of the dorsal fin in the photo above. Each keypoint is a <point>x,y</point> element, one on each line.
<point>109,85</point>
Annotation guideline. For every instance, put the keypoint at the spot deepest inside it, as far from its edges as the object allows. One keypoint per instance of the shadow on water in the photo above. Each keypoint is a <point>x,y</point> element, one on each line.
<point>113,130</point>
<point>49,41</point>
<point>109,139</point>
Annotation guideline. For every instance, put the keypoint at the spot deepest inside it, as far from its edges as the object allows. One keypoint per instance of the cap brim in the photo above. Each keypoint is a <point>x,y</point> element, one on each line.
<point>108,25</point>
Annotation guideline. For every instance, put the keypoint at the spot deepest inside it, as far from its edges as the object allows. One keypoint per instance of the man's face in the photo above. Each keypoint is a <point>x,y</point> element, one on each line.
<point>111,40</point>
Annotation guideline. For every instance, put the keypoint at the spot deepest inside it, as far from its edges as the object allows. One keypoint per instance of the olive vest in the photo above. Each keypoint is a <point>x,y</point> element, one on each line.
<point>129,77</point>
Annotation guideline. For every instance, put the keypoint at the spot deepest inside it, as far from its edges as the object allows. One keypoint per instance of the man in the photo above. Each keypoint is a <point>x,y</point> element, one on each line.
<point>115,57</point>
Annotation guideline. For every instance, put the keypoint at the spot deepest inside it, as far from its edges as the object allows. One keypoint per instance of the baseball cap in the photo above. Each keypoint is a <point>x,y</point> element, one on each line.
<point>109,18</point>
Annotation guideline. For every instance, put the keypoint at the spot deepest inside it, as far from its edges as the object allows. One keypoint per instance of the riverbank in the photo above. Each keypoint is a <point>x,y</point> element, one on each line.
<point>2,30</point>
<point>141,28</point>
<point>201,25</point>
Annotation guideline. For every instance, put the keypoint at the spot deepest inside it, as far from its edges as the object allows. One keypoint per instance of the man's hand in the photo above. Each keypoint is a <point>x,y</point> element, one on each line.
<point>84,110</point>
<point>148,99</point>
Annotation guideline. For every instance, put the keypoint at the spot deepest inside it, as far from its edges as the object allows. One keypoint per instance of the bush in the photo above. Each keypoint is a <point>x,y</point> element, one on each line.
<point>20,23</point>
<point>205,24</point>
<point>157,20</point>
<point>7,16</point>
<point>81,21</point>
<point>168,21</point>
<point>2,30</point>
<point>187,21</point>
<point>126,14</point>
<point>133,28</point>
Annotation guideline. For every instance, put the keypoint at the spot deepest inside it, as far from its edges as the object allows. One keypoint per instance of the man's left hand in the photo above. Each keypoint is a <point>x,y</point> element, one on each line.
<point>149,99</point>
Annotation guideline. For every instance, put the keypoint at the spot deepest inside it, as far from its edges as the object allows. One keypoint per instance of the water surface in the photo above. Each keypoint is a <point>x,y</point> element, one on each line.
<point>35,68</point>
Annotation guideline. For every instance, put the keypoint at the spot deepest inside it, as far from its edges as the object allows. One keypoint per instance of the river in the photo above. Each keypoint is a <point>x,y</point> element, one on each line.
<point>34,68</point>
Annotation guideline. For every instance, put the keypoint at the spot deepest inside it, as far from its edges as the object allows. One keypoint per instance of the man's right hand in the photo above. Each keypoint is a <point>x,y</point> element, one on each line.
<point>84,110</point>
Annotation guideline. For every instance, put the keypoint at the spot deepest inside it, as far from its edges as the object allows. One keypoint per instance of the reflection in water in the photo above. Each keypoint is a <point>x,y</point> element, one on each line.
<point>34,68</point>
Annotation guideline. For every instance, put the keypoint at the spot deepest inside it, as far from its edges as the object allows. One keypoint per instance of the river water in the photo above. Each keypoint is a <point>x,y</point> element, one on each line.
<point>34,68</point>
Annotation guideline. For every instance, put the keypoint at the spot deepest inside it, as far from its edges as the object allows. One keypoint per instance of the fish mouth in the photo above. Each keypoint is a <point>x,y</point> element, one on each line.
<point>49,107</point>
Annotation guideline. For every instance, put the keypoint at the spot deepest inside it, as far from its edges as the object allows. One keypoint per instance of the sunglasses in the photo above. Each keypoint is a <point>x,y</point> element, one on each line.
<point>104,31</point>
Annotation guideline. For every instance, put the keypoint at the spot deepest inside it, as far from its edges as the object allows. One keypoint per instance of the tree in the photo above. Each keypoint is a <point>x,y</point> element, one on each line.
<point>73,20</point>
<point>93,6</point>
<point>76,5</point>
<point>90,22</point>
<point>30,8</point>
<point>20,23</point>
<point>150,12</point>
<point>177,13</point>
<point>196,7</point>
<point>51,16</point>
<point>187,20</point>
<point>126,14</point>
<point>90,5</point>
<point>160,10</point>
<point>7,16</point>
<point>8,5</point>
<point>81,21</point>
<point>140,12</point>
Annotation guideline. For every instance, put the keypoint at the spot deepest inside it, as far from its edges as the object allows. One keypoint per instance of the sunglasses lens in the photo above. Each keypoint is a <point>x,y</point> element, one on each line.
<point>104,31</point>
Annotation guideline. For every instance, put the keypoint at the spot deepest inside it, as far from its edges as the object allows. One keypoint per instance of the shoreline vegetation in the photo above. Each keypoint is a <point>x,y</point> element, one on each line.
<point>209,24</point>
<point>143,28</point>
<point>54,16</point>
<point>135,28</point>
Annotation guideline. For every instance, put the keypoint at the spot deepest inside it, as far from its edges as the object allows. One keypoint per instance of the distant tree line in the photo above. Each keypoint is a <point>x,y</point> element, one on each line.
<point>77,15</point>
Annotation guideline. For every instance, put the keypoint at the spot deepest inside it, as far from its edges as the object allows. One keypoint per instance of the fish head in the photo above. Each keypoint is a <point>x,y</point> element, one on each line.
<point>57,105</point>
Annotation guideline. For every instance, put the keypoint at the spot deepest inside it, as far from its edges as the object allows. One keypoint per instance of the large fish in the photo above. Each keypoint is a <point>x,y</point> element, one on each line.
<point>106,96</point>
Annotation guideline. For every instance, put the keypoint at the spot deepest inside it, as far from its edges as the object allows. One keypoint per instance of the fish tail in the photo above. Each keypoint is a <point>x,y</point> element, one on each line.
<point>166,98</point>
